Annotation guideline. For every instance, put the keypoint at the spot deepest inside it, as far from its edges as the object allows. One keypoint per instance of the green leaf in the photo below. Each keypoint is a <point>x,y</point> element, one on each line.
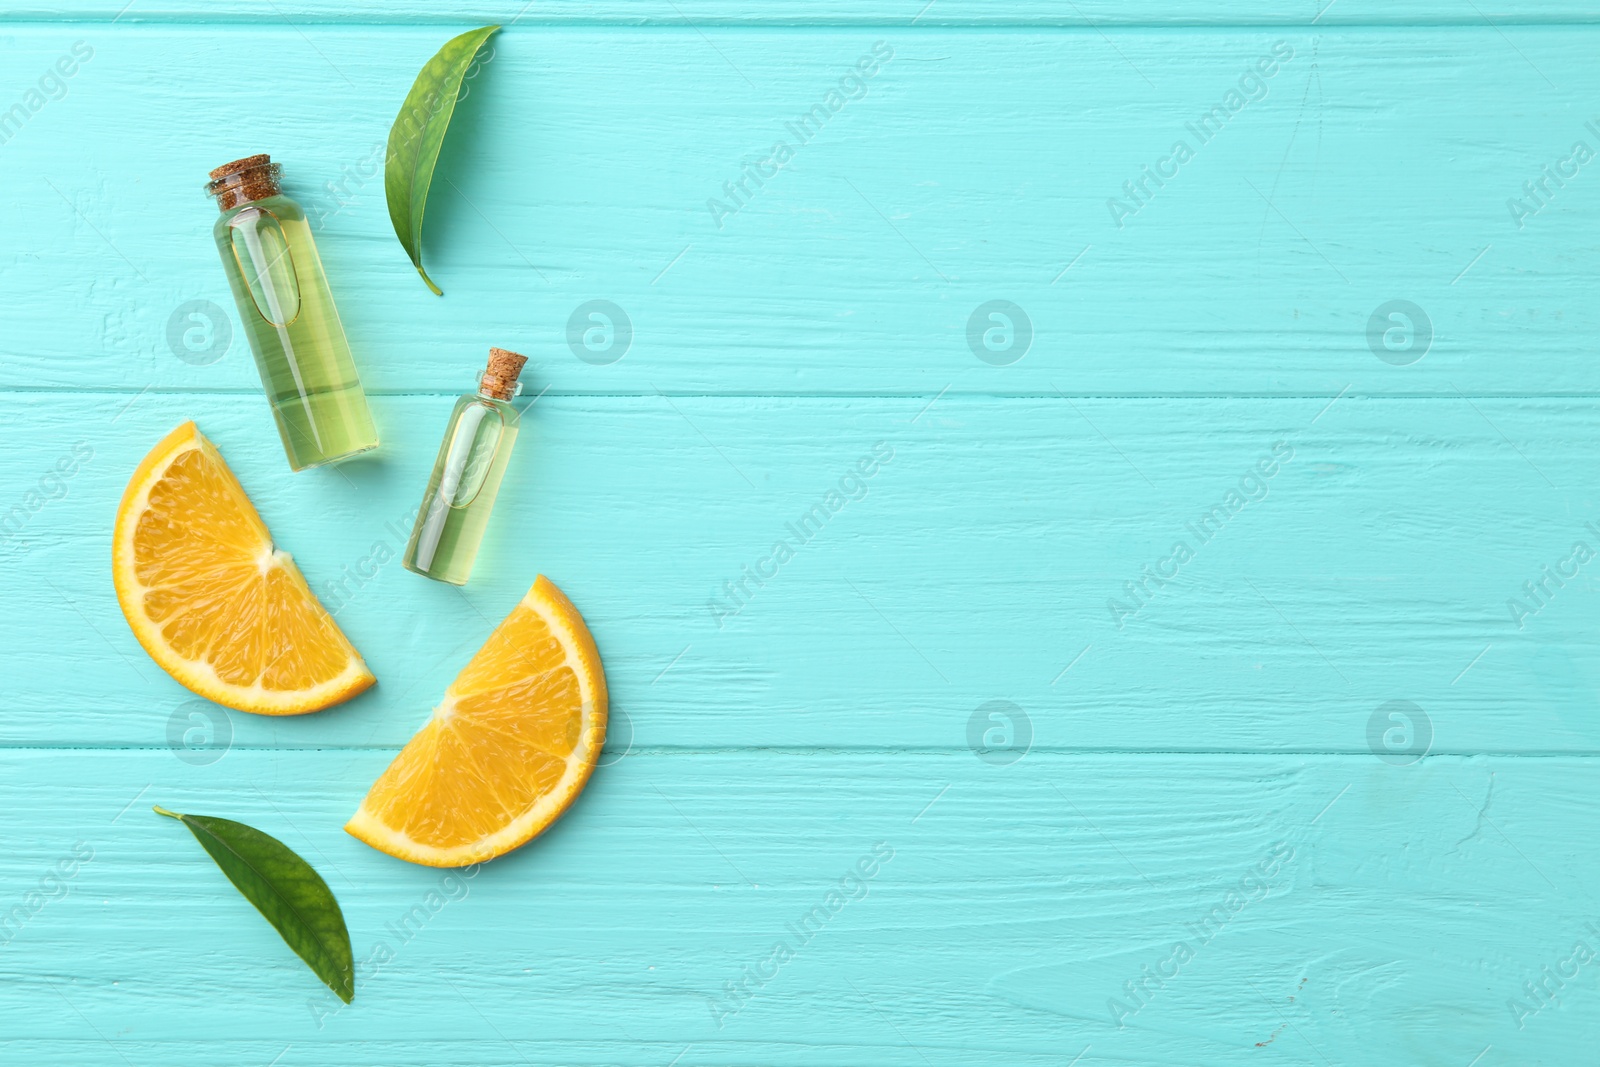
<point>418,134</point>
<point>284,888</point>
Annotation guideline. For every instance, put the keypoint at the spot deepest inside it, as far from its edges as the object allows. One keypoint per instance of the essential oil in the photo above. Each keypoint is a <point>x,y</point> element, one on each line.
<point>466,476</point>
<point>288,315</point>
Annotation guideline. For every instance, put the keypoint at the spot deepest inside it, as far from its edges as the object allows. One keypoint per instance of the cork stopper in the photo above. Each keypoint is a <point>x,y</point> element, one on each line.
<point>243,180</point>
<point>238,165</point>
<point>500,376</point>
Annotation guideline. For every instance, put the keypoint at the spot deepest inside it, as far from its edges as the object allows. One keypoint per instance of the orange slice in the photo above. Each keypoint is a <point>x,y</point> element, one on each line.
<point>209,597</point>
<point>508,748</point>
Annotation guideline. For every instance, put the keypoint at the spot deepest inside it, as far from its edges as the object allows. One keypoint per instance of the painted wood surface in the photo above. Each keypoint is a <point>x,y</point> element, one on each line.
<point>1340,748</point>
<point>973,167</point>
<point>1084,14</point>
<point>993,550</point>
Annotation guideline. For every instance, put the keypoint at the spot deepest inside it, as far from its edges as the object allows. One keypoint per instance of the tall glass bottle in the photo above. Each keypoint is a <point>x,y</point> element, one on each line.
<point>288,315</point>
<point>466,476</point>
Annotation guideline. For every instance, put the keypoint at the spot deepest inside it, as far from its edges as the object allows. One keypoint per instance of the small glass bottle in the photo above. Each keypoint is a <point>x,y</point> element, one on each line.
<point>288,315</point>
<point>466,476</point>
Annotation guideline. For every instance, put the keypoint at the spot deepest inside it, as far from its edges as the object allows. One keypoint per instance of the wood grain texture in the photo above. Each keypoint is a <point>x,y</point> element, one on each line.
<point>1082,14</point>
<point>976,167</point>
<point>1221,748</point>
<point>976,564</point>
<point>996,932</point>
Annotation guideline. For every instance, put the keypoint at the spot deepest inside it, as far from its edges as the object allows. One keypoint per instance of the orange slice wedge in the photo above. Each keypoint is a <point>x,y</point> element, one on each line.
<point>211,599</point>
<point>507,750</point>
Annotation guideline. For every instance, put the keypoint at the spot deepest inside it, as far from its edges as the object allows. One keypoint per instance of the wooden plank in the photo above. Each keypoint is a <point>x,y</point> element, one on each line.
<point>981,562</point>
<point>1012,906</point>
<point>979,166</point>
<point>1088,14</point>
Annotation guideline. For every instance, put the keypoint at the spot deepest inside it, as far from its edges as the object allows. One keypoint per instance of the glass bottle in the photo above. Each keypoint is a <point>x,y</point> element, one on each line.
<point>466,476</point>
<point>288,315</point>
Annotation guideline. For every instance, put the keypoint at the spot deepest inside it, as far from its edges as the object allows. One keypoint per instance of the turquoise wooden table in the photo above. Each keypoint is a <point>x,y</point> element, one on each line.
<point>1207,672</point>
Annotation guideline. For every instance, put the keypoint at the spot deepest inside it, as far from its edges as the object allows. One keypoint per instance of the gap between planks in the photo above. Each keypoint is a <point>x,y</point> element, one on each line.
<point>932,24</point>
<point>876,751</point>
<point>700,394</point>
